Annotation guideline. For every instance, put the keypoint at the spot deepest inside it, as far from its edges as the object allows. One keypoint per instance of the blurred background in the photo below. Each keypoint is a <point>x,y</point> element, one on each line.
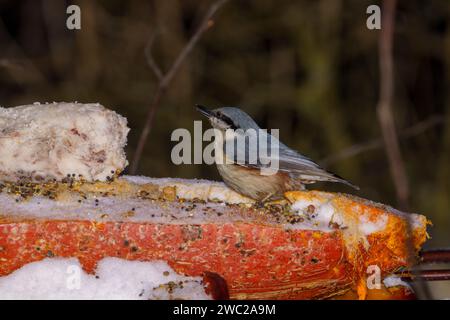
<point>309,68</point>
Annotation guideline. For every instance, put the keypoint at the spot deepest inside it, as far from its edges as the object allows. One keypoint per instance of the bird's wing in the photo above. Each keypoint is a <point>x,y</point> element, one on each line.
<point>306,169</point>
<point>289,161</point>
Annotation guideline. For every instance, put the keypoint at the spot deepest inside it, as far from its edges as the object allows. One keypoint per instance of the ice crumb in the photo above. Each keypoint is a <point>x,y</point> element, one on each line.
<point>394,281</point>
<point>115,278</point>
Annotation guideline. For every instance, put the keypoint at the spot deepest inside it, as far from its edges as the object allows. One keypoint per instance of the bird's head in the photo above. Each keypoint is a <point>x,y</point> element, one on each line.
<point>228,118</point>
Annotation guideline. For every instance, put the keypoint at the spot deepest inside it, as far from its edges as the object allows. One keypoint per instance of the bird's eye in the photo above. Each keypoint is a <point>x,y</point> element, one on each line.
<point>226,119</point>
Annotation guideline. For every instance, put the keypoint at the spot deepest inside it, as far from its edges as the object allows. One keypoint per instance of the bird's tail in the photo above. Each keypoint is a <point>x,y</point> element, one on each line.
<point>336,178</point>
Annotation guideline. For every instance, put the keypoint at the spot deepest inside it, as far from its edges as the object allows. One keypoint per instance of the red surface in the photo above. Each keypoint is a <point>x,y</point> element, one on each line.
<point>256,261</point>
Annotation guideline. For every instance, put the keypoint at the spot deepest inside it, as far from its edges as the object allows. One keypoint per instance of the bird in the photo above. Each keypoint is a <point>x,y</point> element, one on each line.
<point>245,176</point>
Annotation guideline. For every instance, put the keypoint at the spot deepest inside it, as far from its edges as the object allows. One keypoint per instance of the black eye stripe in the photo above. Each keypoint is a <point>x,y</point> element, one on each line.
<point>226,119</point>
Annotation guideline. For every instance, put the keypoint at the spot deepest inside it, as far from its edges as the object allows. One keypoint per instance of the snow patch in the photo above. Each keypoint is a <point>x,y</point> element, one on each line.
<point>394,281</point>
<point>318,215</point>
<point>368,227</point>
<point>115,278</point>
<point>322,215</point>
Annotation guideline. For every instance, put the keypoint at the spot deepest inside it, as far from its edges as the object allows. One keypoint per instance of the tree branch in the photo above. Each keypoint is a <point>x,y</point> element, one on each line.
<point>390,138</point>
<point>150,60</point>
<point>165,79</point>
<point>407,133</point>
<point>384,107</point>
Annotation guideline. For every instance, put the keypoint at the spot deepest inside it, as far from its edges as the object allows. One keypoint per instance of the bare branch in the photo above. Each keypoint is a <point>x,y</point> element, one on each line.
<point>150,60</point>
<point>165,79</point>
<point>356,149</point>
<point>390,138</point>
<point>384,108</point>
<point>204,25</point>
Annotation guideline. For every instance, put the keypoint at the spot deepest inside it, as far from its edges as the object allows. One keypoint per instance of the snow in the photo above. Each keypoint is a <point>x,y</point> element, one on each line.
<point>318,215</point>
<point>61,279</point>
<point>318,212</point>
<point>394,281</point>
<point>368,227</point>
<point>322,215</point>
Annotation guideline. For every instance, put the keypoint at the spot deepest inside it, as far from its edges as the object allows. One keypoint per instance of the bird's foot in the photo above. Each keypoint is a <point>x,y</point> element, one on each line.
<point>259,204</point>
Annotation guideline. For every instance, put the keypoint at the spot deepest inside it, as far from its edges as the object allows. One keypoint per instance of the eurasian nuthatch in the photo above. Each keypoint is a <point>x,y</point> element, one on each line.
<point>244,176</point>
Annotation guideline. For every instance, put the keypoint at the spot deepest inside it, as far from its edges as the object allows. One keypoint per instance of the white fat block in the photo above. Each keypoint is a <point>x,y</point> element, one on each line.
<point>51,141</point>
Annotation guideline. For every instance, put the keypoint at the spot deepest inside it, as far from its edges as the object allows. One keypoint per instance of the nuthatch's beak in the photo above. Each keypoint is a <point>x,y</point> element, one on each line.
<point>207,113</point>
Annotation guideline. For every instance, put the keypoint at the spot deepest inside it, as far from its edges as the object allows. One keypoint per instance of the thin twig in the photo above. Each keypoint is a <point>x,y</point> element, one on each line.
<point>20,62</point>
<point>390,139</point>
<point>384,108</point>
<point>165,79</point>
<point>407,133</point>
<point>150,61</point>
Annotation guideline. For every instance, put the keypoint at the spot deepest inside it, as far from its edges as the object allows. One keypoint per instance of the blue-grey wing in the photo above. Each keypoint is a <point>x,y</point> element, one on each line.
<point>269,151</point>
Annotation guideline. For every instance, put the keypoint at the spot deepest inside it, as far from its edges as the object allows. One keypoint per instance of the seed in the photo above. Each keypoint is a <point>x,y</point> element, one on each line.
<point>310,209</point>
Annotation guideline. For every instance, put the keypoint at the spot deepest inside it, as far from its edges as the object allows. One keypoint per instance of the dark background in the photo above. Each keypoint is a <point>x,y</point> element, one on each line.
<point>309,68</point>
